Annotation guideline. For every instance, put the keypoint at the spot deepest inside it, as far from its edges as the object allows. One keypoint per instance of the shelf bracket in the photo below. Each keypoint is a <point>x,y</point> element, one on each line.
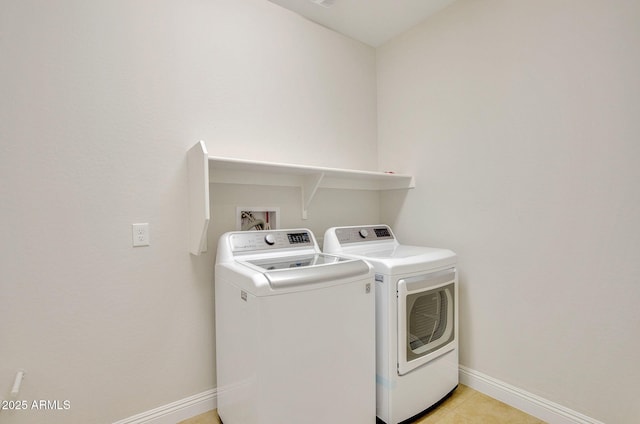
<point>310,184</point>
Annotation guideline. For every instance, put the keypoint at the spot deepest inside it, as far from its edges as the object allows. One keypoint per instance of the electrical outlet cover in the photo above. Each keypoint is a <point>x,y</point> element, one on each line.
<point>140,234</point>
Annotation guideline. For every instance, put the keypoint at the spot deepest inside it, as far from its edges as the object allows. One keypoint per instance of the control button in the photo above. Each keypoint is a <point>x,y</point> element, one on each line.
<point>270,239</point>
<point>363,233</point>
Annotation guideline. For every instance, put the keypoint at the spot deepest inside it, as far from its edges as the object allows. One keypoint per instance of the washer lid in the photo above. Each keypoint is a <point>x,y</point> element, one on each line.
<point>288,262</point>
<point>304,270</point>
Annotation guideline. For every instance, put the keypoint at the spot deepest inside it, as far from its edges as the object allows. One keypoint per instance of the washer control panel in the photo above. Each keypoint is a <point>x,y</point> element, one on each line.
<point>347,235</point>
<point>268,240</point>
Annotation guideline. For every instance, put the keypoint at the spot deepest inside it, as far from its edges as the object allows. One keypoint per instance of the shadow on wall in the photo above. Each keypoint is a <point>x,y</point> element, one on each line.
<point>391,203</point>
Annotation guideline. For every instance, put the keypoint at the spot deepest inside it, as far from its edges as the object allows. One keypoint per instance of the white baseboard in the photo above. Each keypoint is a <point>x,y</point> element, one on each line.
<point>541,408</point>
<point>177,411</point>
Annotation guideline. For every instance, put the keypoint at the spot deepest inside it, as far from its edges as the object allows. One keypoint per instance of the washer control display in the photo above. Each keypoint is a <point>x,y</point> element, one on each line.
<point>297,238</point>
<point>266,240</point>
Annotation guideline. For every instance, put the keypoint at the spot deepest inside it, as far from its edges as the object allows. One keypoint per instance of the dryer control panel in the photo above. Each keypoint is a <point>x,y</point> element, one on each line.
<point>347,235</point>
<point>269,240</point>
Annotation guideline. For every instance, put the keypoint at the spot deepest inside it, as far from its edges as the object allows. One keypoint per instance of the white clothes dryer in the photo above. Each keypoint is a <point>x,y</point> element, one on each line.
<point>295,331</point>
<point>416,319</point>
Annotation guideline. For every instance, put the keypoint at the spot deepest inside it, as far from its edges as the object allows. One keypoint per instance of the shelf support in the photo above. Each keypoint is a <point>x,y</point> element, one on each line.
<point>199,213</point>
<point>310,184</point>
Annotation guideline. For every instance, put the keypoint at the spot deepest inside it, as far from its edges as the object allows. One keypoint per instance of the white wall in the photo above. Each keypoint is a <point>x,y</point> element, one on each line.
<point>99,102</point>
<point>520,122</point>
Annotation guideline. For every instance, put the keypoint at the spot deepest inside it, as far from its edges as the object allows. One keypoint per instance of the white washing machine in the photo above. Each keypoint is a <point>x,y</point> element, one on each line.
<point>416,319</point>
<point>295,331</point>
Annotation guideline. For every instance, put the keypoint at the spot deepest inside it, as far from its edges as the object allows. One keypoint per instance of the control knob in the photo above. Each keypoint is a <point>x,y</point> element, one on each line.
<point>363,233</point>
<point>270,239</point>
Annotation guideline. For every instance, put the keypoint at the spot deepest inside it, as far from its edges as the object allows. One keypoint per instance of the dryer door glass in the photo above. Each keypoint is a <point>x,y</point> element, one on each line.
<point>429,319</point>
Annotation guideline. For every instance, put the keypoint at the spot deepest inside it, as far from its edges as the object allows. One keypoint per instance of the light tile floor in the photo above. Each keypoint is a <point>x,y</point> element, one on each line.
<point>468,406</point>
<point>465,406</point>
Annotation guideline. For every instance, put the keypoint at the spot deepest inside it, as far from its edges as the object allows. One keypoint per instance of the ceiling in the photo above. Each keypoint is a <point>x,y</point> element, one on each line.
<point>371,21</point>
